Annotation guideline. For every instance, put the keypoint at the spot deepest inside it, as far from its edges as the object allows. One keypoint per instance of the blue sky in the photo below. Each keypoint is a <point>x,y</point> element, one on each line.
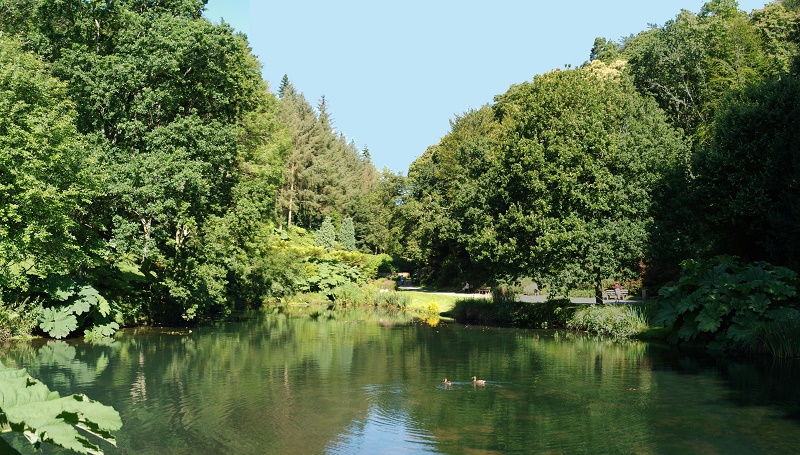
<point>395,73</point>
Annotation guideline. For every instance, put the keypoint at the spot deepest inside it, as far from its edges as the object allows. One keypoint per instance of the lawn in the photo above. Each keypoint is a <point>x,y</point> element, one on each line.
<point>420,300</point>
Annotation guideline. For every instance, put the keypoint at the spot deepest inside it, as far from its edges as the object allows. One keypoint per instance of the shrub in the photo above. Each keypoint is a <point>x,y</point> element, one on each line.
<point>326,235</point>
<point>324,275</point>
<point>727,305</point>
<point>348,295</point>
<point>431,314</point>
<point>550,313</point>
<point>780,337</point>
<point>392,299</point>
<point>19,319</point>
<point>619,321</point>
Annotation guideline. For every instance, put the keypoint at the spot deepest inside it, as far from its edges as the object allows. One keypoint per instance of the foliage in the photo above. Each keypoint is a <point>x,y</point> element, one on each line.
<point>689,64</point>
<point>379,229</point>
<point>746,180</point>
<point>173,107</point>
<point>326,235</point>
<point>548,314</point>
<point>27,406</point>
<point>347,235</point>
<point>556,180</point>
<point>19,319</point>
<point>727,305</point>
<point>431,314</point>
<point>780,337</point>
<point>324,174</point>
<point>44,179</point>
<point>78,300</point>
<point>323,275</point>
<point>618,321</point>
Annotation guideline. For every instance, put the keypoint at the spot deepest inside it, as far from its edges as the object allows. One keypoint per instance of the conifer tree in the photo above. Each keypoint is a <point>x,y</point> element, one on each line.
<point>347,235</point>
<point>326,235</point>
<point>284,85</point>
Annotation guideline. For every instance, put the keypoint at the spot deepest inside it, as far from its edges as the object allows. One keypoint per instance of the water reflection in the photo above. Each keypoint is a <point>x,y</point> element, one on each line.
<point>386,420</point>
<point>355,384</point>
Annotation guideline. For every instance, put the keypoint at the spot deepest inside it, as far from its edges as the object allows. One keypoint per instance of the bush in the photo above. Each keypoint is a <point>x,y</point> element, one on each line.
<point>349,295</point>
<point>728,305</point>
<point>619,321</point>
<point>18,319</point>
<point>393,299</point>
<point>781,337</point>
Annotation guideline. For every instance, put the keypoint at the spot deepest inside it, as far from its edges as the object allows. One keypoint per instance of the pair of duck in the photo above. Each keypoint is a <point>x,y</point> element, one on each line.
<point>475,381</point>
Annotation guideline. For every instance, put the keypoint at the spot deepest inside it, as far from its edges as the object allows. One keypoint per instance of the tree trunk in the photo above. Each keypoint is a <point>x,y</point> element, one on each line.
<point>598,287</point>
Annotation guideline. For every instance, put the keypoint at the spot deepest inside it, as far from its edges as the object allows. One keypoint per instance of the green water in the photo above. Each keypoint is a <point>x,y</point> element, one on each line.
<point>274,385</point>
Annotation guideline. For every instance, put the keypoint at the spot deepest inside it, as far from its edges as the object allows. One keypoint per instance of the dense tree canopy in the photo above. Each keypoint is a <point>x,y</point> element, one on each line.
<point>44,182</point>
<point>145,161</point>
<point>748,178</point>
<point>158,169</point>
<point>555,180</point>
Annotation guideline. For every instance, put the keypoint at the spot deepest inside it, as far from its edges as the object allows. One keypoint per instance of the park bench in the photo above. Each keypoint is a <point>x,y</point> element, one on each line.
<point>484,290</point>
<point>609,294</point>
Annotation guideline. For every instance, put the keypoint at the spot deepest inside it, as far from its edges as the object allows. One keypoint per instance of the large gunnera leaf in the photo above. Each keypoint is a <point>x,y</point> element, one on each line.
<point>58,322</point>
<point>27,406</point>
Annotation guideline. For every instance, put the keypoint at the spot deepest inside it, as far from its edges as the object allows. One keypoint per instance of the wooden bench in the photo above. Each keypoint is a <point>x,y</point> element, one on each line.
<point>609,294</point>
<point>484,290</point>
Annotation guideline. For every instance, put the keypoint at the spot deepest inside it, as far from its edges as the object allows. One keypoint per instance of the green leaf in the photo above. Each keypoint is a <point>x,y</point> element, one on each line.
<point>782,313</point>
<point>101,331</point>
<point>43,415</point>
<point>758,302</point>
<point>666,315</point>
<point>80,306</point>
<point>710,317</point>
<point>90,296</point>
<point>58,322</point>
<point>688,330</point>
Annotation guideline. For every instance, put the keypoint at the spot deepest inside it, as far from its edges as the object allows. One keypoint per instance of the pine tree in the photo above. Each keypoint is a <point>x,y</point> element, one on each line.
<point>326,235</point>
<point>347,235</point>
<point>284,85</point>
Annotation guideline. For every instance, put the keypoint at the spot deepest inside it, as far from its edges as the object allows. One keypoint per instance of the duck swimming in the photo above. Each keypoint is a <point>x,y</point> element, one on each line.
<point>477,381</point>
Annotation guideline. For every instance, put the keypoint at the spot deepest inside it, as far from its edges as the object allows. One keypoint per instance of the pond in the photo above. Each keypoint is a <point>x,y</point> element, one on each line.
<point>270,384</point>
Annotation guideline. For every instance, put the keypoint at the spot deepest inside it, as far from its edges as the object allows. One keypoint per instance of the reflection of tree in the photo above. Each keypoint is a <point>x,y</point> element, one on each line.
<point>281,385</point>
<point>68,366</point>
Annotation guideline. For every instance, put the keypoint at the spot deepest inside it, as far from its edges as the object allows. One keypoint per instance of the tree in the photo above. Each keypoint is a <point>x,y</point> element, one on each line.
<point>777,24</point>
<point>45,175</point>
<point>326,235</point>
<point>447,202</point>
<point>692,61</point>
<point>325,175</point>
<point>298,198</point>
<point>163,93</point>
<point>555,180</point>
<point>378,216</point>
<point>584,154</point>
<point>347,235</point>
<point>747,179</point>
<point>605,50</point>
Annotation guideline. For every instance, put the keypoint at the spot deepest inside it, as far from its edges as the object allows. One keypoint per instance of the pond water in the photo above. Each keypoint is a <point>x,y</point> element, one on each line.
<point>269,384</point>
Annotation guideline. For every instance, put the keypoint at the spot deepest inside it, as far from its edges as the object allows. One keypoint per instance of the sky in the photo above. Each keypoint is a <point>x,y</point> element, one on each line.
<point>394,74</point>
